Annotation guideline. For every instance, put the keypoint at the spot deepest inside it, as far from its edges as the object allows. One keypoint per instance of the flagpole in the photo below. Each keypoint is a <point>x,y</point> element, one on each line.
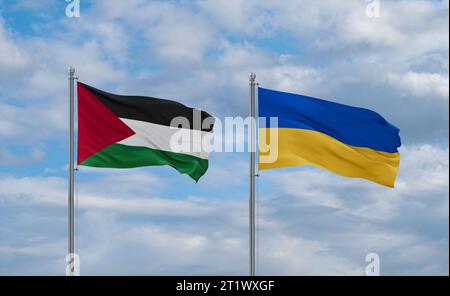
<point>71,208</point>
<point>252,78</point>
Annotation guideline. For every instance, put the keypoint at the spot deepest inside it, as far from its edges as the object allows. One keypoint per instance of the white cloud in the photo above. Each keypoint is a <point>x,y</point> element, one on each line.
<point>311,222</point>
<point>345,24</point>
<point>9,158</point>
<point>187,56</point>
<point>173,33</point>
<point>324,225</point>
<point>179,38</point>
<point>12,58</point>
<point>39,97</point>
<point>53,59</point>
<point>421,84</point>
<point>354,217</point>
<point>34,5</point>
<point>425,163</point>
<point>19,124</point>
<point>238,16</point>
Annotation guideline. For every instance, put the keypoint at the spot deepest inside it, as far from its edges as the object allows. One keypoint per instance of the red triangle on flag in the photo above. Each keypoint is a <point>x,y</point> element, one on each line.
<point>98,126</point>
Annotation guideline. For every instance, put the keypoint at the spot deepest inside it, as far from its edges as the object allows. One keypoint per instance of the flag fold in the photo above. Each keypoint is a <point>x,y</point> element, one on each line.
<point>349,141</point>
<point>117,131</point>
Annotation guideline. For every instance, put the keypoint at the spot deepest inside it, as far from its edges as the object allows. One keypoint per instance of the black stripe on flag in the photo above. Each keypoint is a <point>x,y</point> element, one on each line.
<point>154,110</point>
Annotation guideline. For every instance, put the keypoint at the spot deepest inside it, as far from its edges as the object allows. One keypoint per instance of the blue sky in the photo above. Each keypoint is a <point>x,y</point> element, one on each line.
<point>155,221</point>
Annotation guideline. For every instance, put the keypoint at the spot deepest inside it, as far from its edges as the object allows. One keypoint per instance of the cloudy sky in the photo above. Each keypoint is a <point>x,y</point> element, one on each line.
<point>154,221</point>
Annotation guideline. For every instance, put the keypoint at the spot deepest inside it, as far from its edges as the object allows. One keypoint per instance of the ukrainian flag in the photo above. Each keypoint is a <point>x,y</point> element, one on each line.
<point>349,141</point>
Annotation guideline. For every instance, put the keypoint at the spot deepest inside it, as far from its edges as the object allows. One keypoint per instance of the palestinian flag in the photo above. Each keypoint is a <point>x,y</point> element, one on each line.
<point>117,131</point>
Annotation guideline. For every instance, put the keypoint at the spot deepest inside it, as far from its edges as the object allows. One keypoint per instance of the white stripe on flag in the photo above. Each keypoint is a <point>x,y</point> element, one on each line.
<point>161,137</point>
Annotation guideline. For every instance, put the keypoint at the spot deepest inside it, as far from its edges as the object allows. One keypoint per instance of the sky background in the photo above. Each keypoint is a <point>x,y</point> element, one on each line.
<point>154,221</point>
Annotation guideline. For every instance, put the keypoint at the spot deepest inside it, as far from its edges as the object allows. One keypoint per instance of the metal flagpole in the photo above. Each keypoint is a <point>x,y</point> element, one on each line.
<point>252,78</point>
<point>71,207</point>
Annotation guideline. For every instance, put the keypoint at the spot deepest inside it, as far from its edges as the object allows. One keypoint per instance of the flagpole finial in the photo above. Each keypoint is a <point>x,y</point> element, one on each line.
<point>252,76</point>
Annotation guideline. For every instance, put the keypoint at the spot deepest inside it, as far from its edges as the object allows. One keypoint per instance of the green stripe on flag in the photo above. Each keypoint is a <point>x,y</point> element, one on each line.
<point>123,156</point>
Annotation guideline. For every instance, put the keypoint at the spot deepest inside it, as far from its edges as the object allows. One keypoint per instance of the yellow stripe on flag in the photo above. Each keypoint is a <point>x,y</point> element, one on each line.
<point>306,147</point>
